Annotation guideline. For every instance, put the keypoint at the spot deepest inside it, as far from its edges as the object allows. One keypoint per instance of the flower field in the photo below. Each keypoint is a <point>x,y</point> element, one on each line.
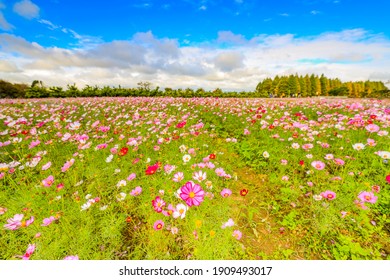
<point>200,178</point>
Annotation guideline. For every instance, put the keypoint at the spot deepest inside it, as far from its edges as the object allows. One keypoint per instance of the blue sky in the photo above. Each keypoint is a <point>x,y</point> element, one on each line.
<point>231,44</point>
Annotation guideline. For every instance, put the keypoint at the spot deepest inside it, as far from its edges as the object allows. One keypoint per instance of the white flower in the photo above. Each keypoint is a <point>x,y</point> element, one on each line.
<point>309,156</point>
<point>109,158</point>
<point>295,145</point>
<point>116,171</point>
<point>85,206</point>
<point>199,176</point>
<point>384,154</point>
<point>186,158</point>
<point>104,207</point>
<point>121,196</point>
<point>358,146</point>
<point>317,197</point>
<point>182,148</point>
<point>265,154</point>
<point>180,211</point>
<point>121,183</point>
<point>328,156</point>
<point>88,196</point>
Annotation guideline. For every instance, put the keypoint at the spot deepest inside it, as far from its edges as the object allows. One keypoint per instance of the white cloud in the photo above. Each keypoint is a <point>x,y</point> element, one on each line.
<point>26,9</point>
<point>4,24</point>
<point>350,55</point>
<point>203,8</point>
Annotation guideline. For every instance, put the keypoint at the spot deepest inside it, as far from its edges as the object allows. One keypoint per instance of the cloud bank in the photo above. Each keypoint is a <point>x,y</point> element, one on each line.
<point>230,62</point>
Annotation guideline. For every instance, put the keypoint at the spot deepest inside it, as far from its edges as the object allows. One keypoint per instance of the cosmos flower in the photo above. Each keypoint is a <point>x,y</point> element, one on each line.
<point>30,250</point>
<point>158,225</point>
<point>328,195</point>
<point>367,197</point>
<point>192,194</point>
<point>319,165</point>
<point>237,234</point>
<point>48,181</point>
<point>226,192</point>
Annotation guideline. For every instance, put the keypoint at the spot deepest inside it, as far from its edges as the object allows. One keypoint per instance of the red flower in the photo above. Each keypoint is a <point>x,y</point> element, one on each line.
<point>301,162</point>
<point>244,192</point>
<point>373,117</point>
<point>181,124</point>
<point>212,156</point>
<point>151,169</point>
<point>388,178</point>
<point>123,151</point>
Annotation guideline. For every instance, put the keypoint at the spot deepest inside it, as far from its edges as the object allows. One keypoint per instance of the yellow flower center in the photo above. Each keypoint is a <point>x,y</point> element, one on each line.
<point>192,195</point>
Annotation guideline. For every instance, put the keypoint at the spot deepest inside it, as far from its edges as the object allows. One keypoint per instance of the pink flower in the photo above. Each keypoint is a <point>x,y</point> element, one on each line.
<point>319,165</point>
<point>199,176</point>
<point>71,258</point>
<point>158,204</point>
<point>67,165</point>
<point>30,250</point>
<point>367,197</point>
<point>220,172</point>
<point>388,179</point>
<point>328,195</point>
<point>15,222</point>
<point>48,221</point>
<point>339,161</point>
<point>101,146</point>
<point>192,194</point>
<point>3,210</point>
<point>178,177</point>
<point>237,234</point>
<point>131,177</point>
<point>137,191</point>
<point>34,144</point>
<point>372,128</point>
<point>48,181</point>
<point>158,225</point>
<point>343,214</point>
<point>229,223</point>
<point>285,178</point>
<point>46,166</point>
<point>226,192</point>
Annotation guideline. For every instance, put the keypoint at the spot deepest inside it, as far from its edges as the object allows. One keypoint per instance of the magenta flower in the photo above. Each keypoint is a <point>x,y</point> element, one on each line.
<point>158,204</point>
<point>319,165</point>
<point>226,192</point>
<point>388,178</point>
<point>367,197</point>
<point>158,225</point>
<point>48,181</point>
<point>30,250</point>
<point>192,194</point>
<point>137,191</point>
<point>328,195</point>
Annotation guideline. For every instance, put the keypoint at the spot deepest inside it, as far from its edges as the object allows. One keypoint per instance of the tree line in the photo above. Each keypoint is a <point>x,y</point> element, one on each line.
<point>314,85</point>
<point>279,86</point>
